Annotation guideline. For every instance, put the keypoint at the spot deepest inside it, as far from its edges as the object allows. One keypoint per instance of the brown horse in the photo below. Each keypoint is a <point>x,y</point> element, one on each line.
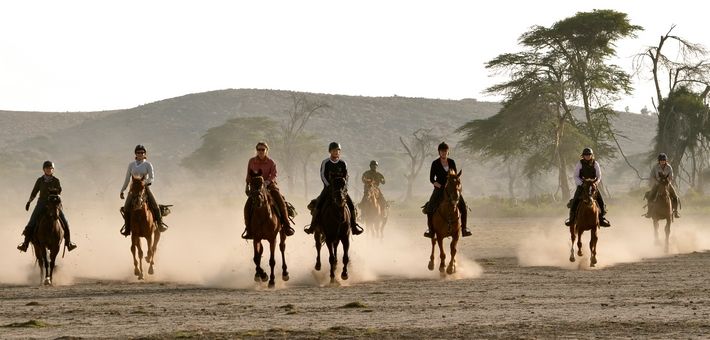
<point>662,209</point>
<point>446,222</point>
<point>142,225</point>
<point>587,218</point>
<point>47,238</point>
<point>372,212</point>
<point>334,227</point>
<point>261,217</point>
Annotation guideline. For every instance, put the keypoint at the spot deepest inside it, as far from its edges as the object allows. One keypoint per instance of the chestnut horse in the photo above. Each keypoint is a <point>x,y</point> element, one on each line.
<point>142,225</point>
<point>587,218</point>
<point>662,209</point>
<point>372,211</point>
<point>47,238</point>
<point>446,222</point>
<point>334,227</point>
<point>260,216</point>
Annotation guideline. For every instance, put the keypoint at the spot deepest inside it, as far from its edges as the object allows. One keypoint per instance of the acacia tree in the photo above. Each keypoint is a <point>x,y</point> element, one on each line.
<point>560,66</point>
<point>292,129</point>
<point>681,67</point>
<point>419,145</point>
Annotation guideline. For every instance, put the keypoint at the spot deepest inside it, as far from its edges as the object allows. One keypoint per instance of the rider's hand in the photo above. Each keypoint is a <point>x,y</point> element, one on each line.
<point>27,206</point>
<point>437,185</point>
<point>122,197</point>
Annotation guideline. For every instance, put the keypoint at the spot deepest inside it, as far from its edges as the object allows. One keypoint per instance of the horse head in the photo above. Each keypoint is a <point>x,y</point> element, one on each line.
<point>589,190</point>
<point>257,192</point>
<point>338,187</point>
<point>453,187</point>
<point>54,204</point>
<point>138,192</point>
<point>663,183</point>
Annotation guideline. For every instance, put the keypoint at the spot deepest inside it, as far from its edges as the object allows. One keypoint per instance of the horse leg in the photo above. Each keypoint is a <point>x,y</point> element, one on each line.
<point>579,242</point>
<point>668,233</point>
<point>140,257</point>
<point>149,242</point>
<point>571,249</point>
<point>346,258</point>
<point>593,247</point>
<point>319,244</point>
<point>655,232</point>
<point>332,260</point>
<point>45,264</point>
<point>52,260</point>
<point>452,263</point>
<point>154,247</point>
<point>258,250</point>
<point>431,257</point>
<point>442,256</point>
<point>282,247</point>
<point>134,247</point>
<point>272,262</point>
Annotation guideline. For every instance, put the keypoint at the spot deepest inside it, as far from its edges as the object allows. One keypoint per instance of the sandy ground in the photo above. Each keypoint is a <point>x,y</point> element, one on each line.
<point>514,280</point>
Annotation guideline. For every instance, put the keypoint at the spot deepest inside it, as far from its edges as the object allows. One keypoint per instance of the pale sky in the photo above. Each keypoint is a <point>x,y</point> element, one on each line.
<point>102,55</point>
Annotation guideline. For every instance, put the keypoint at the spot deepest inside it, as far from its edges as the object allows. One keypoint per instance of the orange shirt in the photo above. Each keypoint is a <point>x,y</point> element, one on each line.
<point>266,166</point>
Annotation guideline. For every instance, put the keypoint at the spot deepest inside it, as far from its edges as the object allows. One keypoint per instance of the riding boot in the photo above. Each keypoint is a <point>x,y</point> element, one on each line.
<point>648,209</point>
<point>286,226</point>
<point>674,202</point>
<point>603,222</point>
<point>247,222</point>
<point>429,233</point>
<point>355,228</point>
<point>67,235</point>
<point>26,243</point>
<point>464,219</point>
<point>162,227</point>
<point>572,215</point>
<point>126,230</point>
<point>311,228</point>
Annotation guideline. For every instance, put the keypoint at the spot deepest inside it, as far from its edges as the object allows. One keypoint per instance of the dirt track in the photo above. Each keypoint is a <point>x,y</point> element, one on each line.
<point>520,287</point>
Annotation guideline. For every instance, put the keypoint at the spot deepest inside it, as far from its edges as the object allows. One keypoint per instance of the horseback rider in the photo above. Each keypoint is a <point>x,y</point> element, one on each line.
<point>374,178</point>
<point>587,168</point>
<point>45,185</point>
<point>262,163</point>
<point>141,168</point>
<point>440,168</point>
<point>662,169</point>
<point>330,167</point>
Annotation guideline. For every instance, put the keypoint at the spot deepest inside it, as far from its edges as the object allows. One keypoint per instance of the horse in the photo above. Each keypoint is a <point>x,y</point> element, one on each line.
<point>262,219</point>
<point>142,225</point>
<point>587,218</point>
<point>334,227</point>
<point>446,222</point>
<point>662,209</point>
<point>373,213</point>
<point>47,238</point>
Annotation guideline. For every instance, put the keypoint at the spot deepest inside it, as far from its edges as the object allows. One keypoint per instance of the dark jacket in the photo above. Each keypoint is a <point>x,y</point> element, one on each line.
<point>330,169</point>
<point>438,174</point>
<point>44,186</point>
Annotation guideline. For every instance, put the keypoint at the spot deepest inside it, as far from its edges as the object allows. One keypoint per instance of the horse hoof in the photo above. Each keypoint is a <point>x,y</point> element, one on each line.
<point>47,282</point>
<point>442,269</point>
<point>136,272</point>
<point>257,278</point>
<point>431,265</point>
<point>317,266</point>
<point>450,271</point>
<point>272,284</point>
<point>140,277</point>
<point>344,276</point>
<point>592,265</point>
<point>593,261</point>
<point>571,259</point>
<point>579,253</point>
<point>264,277</point>
<point>285,277</point>
<point>150,271</point>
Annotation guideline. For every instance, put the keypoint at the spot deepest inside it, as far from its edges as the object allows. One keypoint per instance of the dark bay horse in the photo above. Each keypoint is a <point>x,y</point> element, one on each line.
<point>334,227</point>
<point>142,225</point>
<point>662,209</point>
<point>446,222</point>
<point>372,211</point>
<point>261,217</point>
<point>587,218</point>
<point>47,238</point>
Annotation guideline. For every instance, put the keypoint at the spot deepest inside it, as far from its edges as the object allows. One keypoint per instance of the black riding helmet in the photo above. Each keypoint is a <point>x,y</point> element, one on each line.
<point>47,164</point>
<point>662,157</point>
<point>140,147</point>
<point>587,151</point>
<point>332,146</point>
<point>374,163</point>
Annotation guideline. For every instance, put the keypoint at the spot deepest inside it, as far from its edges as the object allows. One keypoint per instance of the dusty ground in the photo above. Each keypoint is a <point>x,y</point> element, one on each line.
<point>514,281</point>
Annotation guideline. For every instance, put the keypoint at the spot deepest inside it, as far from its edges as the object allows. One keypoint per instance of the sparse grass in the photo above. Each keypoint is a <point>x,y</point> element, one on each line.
<point>356,304</point>
<point>28,324</point>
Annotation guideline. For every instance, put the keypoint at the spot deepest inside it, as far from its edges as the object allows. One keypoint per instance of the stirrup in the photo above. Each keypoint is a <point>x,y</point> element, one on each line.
<point>162,227</point>
<point>70,246</point>
<point>124,231</point>
<point>309,229</point>
<point>22,247</point>
<point>356,229</point>
<point>465,232</point>
<point>676,214</point>
<point>288,230</point>
<point>568,222</point>
<point>603,222</point>
<point>246,235</point>
<point>428,234</point>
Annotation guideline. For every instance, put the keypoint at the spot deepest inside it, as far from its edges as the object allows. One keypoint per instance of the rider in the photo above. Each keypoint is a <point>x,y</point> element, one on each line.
<point>141,168</point>
<point>45,185</point>
<point>587,168</point>
<point>375,178</point>
<point>331,166</point>
<point>662,169</point>
<point>262,162</point>
<point>440,168</point>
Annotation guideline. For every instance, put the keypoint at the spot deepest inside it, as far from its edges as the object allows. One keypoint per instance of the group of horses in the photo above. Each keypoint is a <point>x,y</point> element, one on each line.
<point>333,226</point>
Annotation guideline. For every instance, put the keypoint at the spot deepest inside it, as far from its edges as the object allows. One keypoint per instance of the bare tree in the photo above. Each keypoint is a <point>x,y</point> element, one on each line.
<point>301,110</point>
<point>418,147</point>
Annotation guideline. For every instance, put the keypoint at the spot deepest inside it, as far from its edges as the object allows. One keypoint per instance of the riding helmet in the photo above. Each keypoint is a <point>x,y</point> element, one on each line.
<point>374,162</point>
<point>332,146</point>
<point>140,147</point>
<point>262,143</point>
<point>47,164</point>
<point>662,157</point>
<point>587,151</point>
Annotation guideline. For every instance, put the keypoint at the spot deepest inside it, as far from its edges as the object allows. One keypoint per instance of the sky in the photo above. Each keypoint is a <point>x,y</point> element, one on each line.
<point>103,55</point>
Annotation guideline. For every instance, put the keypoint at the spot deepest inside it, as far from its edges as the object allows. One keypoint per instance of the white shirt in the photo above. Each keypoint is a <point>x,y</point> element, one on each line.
<point>138,170</point>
